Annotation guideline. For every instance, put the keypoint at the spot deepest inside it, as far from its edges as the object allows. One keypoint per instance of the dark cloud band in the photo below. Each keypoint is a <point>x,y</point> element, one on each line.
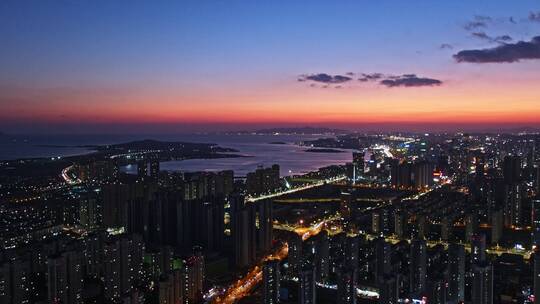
<point>372,76</point>
<point>509,52</point>
<point>389,81</point>
<point>325,78</point>
<point>410,80</point>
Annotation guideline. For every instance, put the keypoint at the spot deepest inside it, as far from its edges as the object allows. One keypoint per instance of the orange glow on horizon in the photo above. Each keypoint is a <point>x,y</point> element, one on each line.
<point>467,102</point>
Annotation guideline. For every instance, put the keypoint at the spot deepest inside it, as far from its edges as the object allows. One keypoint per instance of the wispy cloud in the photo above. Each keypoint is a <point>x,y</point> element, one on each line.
<point>446,46</point>
<point>534,16</point>
<point>325,78</point>
<point>370,76</point>
<point>473,25</point>
<point>497,39</point>
<point>478,22</point>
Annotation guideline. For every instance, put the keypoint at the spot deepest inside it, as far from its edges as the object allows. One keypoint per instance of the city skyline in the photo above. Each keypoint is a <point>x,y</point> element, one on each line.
<point>79,67</point>
<point>273,152</point>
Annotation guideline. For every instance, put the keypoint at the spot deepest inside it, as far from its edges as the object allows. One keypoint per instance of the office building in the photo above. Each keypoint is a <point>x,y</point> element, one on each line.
<point>265,225</point>
<point>400,223</point>
<point>382,258</point>
<point>437,289</point>
<point>418,268</point>
<point>478,249</point>
<point>422,174</point>
<point>263,180</point>
<point>482,284</point>
<point>513,204</point>
<point>201,185</point>
<point>345,204</point>
<point>307,287</point>
<point>400,176</point>
<point>243,231</point>
<point>388,289</point>
<point>65,278</point>
<point>271,281</point>
<point>456,273</point>
<point>295,253</point>
<point>346,285</point>
<point>497,225</point>
<point>471,225</point>
<point>535,220</point>
<point>422,226</point>
<point>15,282</point>
<point>512,169</point>
<point>322,256</point>
<point>447,224</point>
<point>536,279</point>
<point>352,247</point>
<point>122,265</point>
<point>193,277</point>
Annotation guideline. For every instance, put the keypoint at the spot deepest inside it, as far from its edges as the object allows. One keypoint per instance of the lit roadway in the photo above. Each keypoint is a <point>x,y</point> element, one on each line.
<point>243,287</point>
<point>297,189</point>
<point>385,149</point>
<point>307,232</point>
<point>70,180</point>
<point>526,254</point>
<point>317,227</point>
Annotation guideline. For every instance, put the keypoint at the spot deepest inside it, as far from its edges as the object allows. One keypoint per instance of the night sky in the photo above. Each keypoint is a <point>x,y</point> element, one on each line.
<point>179,66</point>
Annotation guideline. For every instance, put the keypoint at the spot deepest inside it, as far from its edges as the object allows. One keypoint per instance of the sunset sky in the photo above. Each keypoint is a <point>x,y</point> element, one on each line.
<point>179,66</point>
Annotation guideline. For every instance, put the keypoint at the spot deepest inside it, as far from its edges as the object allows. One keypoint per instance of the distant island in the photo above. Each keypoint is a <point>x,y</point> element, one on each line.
<point>324,151</point>
<point>123,153</point>
<point>349,141</point>
<point>277,143</point>
<point>148,144</point>
<point>168,150</point>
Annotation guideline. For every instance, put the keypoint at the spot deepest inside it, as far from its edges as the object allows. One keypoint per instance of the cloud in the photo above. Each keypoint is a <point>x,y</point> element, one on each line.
<point>483,18</point>
<point>473,25</point>
<point>371,76</point>
<point>446,46</point>
<point>478,22</point>
<point>410,80</point>
<point>534,16</point>
<point>324,78</point>
<point>503,38</point>
<point>481,35</point>
<point>498,39</point>
<point>510,52</point>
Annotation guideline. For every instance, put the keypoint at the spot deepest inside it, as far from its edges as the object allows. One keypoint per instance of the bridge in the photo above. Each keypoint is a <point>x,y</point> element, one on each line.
<point>296,189</point>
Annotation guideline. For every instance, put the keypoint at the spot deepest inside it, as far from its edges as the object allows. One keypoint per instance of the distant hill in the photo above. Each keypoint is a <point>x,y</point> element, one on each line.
<point>149,144</point>
<point>511,130</point>
<point>297,131</point>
